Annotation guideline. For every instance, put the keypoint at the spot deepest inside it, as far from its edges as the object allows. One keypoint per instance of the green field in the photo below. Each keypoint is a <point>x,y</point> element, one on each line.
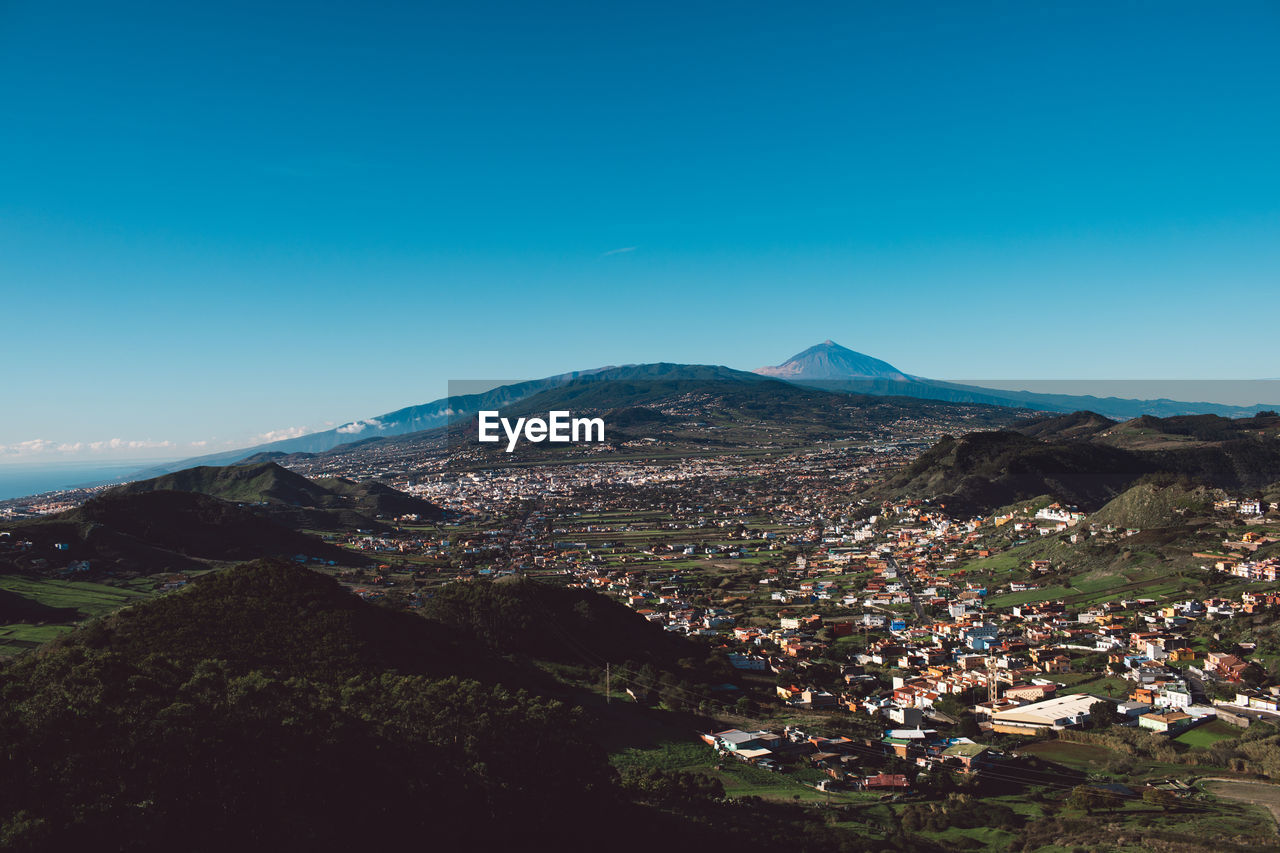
<point>989,837</point>
<point>738,779</point>
<point>674,755</point>
<point>18,638</point>
<point>1029,596</point>
<point>743,780</point>
<point>91,599</point>
<point>1109,685</point>
<point>1209,734</point>
<point>1082,756</point>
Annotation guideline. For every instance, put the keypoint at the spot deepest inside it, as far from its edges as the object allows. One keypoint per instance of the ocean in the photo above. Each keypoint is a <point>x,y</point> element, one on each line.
<point>30,478</point>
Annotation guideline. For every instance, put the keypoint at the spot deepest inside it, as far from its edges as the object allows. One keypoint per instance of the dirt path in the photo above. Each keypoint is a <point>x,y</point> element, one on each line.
<point>1258,793</point>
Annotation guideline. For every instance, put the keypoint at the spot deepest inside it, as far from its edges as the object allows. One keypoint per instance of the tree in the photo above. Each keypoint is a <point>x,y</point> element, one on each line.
<point>1253,675</point>
<point>1102,714</point>
<point>969,726</point>
<point>1087,799</point>
<point>949,705</point>
<point>1157,797</point>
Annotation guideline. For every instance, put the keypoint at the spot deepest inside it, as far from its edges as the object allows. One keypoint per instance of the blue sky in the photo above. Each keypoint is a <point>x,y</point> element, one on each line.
<point>227,221</point>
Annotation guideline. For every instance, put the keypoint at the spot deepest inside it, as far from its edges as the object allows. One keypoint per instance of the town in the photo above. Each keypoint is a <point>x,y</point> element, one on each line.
<point>883,647</point>
<point>872,650</point>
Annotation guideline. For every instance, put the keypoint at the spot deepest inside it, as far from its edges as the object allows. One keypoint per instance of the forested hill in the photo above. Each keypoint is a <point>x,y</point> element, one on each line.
<point>983,470</point>
<point>1086,460</point>
<point>279,488</point>
<point>268,709</point>
<point>159,530</point>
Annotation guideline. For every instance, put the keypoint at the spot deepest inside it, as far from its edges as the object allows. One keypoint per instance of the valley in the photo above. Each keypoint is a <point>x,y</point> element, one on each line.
<point>862,610</point>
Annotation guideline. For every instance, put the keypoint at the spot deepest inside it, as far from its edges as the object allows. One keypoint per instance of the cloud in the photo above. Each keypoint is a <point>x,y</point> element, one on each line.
<point>621,251</point>
<point>122,444</point>
<point>279,434</point>
<point>31,447</point>
<point>357,427</point>
<point>45,447</point>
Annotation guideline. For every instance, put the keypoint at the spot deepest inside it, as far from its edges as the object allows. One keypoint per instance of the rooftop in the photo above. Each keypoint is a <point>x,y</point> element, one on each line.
<point>1050,711</point>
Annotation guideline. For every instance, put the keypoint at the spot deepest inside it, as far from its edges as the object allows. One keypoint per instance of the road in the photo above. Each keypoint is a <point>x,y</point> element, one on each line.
<point>1198,694</point>
<point>909,583</point>
<point>1251,713</point>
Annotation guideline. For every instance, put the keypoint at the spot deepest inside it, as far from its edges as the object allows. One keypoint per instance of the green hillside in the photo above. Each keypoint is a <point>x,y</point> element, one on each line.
<point>268,709</point>
<point>1076,425</point>
<point>158,530</point>
<point>1152,505</point>
<point>1078,464</point>
<point>334,499</point>
<point>981,471</point>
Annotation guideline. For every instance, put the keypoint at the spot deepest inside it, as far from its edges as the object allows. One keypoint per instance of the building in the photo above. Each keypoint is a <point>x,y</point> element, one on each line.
<point>1176,696</point>
<point>970,755</point>
<point>905,717</point>
<point>1058,713</point>
<point>1170,722</point>
<point>1031,692</point>
<point>980,637</point>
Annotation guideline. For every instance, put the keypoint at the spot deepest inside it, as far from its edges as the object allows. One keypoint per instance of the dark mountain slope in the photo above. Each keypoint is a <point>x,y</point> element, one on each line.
<point>721,395</point>
<point>267,709</point>
<point>267,482</point>
<point>378,499</point>
<point>291,499</point>
<point>1153,433</point>
<point>19,608</point>
<point>1077,425</point>
<point>271,456</point>
<point>640,384</point>
<point>983,470</point>
<point>153,531</point>
<point>515,616</point>
<point>290,621</point>
<point>1243,464</point>
<point>260,482</point>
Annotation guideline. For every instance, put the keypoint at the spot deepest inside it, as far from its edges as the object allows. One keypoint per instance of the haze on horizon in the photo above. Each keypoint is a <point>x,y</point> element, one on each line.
<point>219,225</point>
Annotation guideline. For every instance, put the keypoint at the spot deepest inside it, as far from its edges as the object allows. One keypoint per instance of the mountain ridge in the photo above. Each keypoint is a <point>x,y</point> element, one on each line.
<point>1081,460</point>
<point>829,360</point>
<point>826,366</point>
<point>160,530</point>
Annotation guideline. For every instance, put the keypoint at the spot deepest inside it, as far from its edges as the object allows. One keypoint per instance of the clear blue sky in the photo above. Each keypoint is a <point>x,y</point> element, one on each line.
<point>227,219</point>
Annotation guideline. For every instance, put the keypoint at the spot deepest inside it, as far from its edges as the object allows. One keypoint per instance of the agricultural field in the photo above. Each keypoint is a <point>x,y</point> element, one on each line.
<point>1081,756</point>
<point>79,600</point>
<point>92,599</point>
<point>18,638</point>
<point>1208,734</point>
